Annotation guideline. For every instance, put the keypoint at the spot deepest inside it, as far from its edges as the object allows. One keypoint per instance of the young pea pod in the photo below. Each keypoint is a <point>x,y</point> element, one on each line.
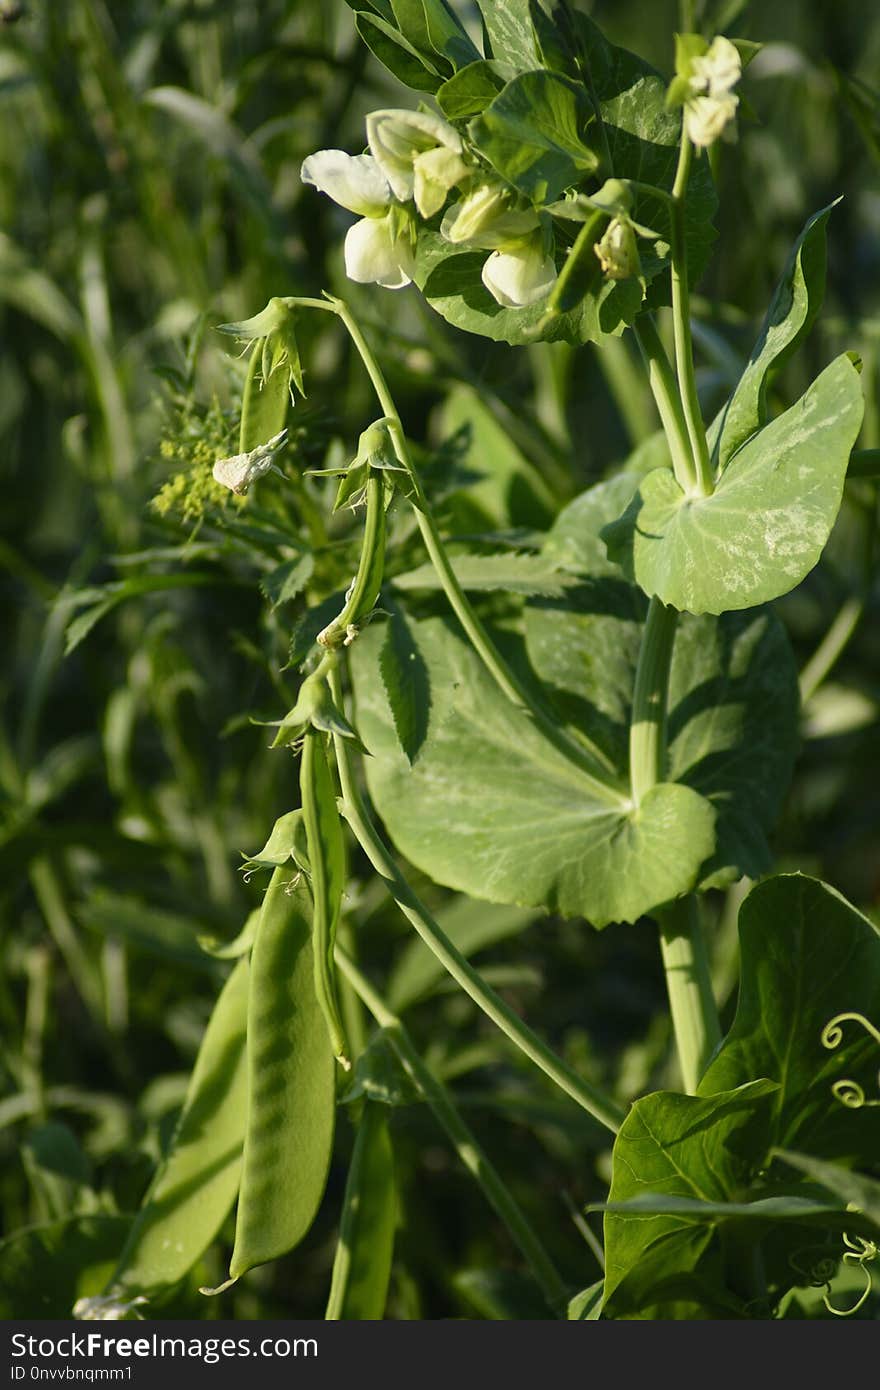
<point>364,591</point>
<point>291,1101</point>
<point>362,1267</point>
<point>326,845</point>
<point>264,404</point>
<point>194,1189</point>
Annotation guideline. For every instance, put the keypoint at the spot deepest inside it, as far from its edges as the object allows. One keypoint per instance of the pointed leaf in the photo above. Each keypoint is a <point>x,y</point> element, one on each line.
<point>405,678</point>
<point>807,956</point>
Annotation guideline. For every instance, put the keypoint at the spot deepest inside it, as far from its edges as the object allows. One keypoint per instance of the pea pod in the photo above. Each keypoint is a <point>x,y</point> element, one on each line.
<point>291,1098</point>
<point>326,845</point>
<point>364,590</point>
<point>191,1194</point>
<point>264,403</point>
<point>362,1267</point>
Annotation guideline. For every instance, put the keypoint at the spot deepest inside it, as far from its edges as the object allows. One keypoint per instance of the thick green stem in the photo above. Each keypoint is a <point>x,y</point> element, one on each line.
<point>688,981</point>
<point>647,732</point>
<point>681,320</point>
<point>440,1102</point>
<point>601,1107</point>
<point>689,985</point>
<point>666,395</point>
<point>479,638</point>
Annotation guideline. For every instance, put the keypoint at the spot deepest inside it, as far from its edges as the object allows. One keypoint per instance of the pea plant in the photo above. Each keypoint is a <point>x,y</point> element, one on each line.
<point>599,721</point>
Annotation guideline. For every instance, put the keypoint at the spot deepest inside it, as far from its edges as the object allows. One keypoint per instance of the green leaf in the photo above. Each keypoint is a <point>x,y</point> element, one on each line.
<point>471,89</point>
<point>795,304</point>
<point>807,955</point>
<point>766,524</point>
<point>290,1108</point>
<point>512,572</point>
<point>532,135</point>
<point>405,678</point>
<point>504,485</point>
<point>398,56</point>
<point>494,810</point>
<point>44,1269</point>
<point>195,1187</point>
<point>682,1147</point>
<point>288,580</point>
<point>511,33</point>
<point>733,695</point>
<point>447,35</point>
<point>362,1266</point>
<point>855,1189</point>
<point>586,1306</point>
<point>472,926</point>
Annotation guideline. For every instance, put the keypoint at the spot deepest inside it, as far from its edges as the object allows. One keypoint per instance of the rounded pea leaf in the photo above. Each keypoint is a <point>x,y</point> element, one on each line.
<point>733,695</point>
<point>764,527</point>
<point>491,808</point>
<point>194,1189</point>
<point>291,1087</point>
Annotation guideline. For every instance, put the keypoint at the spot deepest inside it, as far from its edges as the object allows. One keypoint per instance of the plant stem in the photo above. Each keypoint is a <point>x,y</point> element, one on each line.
<point>647,732</point>
<point>681,319</point>
<point>688,982</point>
<point>601,1107</point>
<point>479,638</point>
<point>668,399</point>
<point>440,1102</point>
<point>830,649</point>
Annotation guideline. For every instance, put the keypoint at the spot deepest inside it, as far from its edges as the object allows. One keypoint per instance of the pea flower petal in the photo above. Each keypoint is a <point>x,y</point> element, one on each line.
<point>354,181</point>
<point>519,273</point>
<point>374,255</point>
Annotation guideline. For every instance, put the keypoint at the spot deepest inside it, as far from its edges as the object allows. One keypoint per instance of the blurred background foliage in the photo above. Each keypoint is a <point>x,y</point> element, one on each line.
<point>149,189</point>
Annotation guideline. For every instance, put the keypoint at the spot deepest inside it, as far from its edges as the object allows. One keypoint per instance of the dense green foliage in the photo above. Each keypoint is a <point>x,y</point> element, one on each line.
<point>169,1001</point>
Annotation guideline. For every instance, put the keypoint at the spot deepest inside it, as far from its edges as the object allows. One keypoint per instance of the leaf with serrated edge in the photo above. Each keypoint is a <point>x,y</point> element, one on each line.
<point>405,678</point>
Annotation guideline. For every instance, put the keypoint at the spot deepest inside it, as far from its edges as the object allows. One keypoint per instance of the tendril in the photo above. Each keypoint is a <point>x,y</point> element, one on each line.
<point>861,1254</point>
<point>849,1092</point>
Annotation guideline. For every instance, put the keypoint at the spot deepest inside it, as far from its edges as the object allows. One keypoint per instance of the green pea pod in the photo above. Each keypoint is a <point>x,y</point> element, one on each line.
<point>362,1267</point>
<point>264,404</point>
<point>326,845</point>
<point>291,1101</point>
<point>194,1189</point>
<point>361,597</point>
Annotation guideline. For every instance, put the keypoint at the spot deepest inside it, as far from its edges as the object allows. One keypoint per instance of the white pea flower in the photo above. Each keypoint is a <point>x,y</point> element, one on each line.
<point>485,218</point>
<point>420,154</point>
<point>717,72</point>
<point>712,104</point>
<point>520,272</point>
<point>379,247</point>
<point>707,118</point>
<point>238,472</point>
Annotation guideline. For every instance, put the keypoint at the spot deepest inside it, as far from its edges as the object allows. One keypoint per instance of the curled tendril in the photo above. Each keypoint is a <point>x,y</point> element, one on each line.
<point>847,1091</point>
<point>860,1254</point>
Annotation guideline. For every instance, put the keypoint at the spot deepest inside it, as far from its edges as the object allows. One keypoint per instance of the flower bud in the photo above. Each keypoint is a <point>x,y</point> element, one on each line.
<point>618,251</point>
<point>397,139</point>
<point>485,219</point>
